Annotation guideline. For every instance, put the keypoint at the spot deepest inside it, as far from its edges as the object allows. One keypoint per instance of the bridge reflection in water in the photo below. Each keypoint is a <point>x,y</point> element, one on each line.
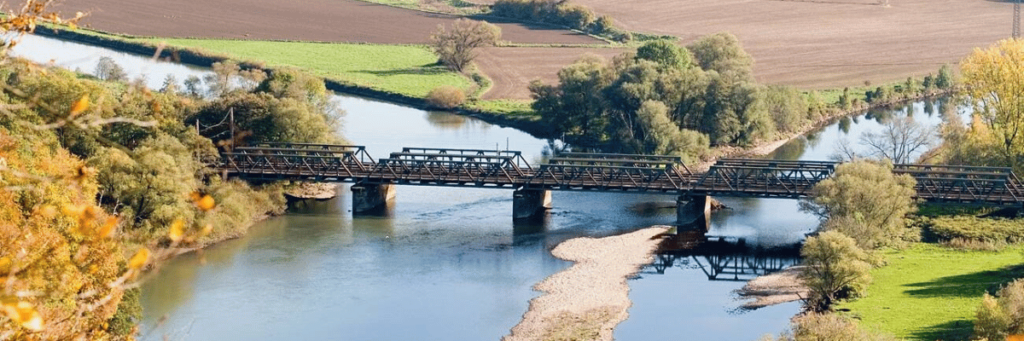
<point>720,258</point>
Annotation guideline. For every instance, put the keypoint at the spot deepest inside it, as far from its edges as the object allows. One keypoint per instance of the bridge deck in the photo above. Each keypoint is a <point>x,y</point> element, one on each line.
<point>596,172</point>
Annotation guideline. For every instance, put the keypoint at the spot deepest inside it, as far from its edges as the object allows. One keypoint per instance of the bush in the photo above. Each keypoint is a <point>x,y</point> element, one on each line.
<point>998,317</point>
<point>446,97</point>
<point>129,312</point>
<point>834,269</point>
<point>969,228</point>
<point>829,327</point>
<point>871,202</point>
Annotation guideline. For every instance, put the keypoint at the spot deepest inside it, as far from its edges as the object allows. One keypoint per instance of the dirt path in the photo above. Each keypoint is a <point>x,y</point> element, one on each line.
<point>310,20</point>
<point>587,301</point>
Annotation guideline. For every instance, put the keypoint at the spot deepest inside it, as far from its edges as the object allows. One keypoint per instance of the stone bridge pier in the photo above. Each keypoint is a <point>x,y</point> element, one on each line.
<point>530,203</point>
<point>693,209</point>
<point>367,198</point>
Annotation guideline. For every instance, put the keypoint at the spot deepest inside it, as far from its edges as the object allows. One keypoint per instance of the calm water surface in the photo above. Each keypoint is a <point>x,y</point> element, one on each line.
<point>443,263</point>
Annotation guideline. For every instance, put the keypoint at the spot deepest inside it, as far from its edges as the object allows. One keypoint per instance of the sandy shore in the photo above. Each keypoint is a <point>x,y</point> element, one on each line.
<point>780,287</point>
<point>587,301</point>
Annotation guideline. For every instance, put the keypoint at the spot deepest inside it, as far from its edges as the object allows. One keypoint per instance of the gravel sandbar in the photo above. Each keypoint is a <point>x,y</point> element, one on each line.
<point>587,301</point>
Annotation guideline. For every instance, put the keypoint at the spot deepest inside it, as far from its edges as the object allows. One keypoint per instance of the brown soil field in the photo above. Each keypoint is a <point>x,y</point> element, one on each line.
<point>512,68</point>
<point>309,20</point>
<point>828,43</point>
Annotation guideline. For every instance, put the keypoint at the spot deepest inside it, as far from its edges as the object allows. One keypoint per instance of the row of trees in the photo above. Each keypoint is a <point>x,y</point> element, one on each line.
<point>669,100</point>
<point>563,13</point>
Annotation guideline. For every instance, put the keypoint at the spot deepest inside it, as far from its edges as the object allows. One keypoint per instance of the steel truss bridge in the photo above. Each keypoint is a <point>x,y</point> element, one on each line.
<point>595,172</point>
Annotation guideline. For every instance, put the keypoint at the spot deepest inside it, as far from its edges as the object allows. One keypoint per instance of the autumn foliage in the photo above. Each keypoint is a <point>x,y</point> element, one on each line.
<point>57,259</point>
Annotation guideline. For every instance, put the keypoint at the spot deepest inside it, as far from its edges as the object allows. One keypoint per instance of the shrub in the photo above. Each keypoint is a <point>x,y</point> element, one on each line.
<point>871,201</point>
<point>829,327</point>
<point>835,268</point>
<point>998,317</point>
<point>969,228</point>
<point>446,97</point>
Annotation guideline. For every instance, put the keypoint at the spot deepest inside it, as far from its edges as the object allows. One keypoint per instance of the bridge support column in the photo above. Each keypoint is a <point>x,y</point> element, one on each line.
<point>366,198</point>
<point>694,209</point>
<point>528,203</point>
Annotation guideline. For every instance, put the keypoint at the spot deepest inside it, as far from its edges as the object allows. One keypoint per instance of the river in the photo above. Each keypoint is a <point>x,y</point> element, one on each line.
<point>443,263</point>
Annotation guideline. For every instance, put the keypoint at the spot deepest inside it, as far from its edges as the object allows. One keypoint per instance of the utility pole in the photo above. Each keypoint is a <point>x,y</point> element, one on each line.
<point>1016,19</point>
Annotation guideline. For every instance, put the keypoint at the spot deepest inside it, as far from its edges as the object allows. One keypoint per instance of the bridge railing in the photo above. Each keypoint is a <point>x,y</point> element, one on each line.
<point>611,172</point>
<point>764,178</point>
<point>279,164</point>
<point>443,166</point>
<point>638,159</point>
<point>964,183</point>
<point>515,156</point>
<point>359,152</point>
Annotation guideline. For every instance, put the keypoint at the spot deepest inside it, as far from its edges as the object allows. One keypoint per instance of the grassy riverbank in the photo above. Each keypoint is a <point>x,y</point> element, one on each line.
<point>410,70</point>
<point>930,292</point>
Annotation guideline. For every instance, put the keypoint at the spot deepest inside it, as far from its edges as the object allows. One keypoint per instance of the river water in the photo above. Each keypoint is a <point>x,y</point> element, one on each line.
<point>444,263</point>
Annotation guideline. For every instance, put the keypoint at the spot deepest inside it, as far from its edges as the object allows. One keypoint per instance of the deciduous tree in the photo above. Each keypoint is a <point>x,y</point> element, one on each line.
<point>834,268</point>
<point>870,198</point>
<point>456,46</point>
<point>996,87</point>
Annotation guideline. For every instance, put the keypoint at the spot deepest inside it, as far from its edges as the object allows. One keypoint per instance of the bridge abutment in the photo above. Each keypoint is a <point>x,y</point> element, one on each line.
<point>367,198</point>
<point>529,203</point>
<point>693,209</point>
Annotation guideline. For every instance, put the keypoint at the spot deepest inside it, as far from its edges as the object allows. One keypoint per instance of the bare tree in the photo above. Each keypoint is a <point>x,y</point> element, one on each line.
<point>899,141</point>
<point>844,151</point>
<point>455,47</point>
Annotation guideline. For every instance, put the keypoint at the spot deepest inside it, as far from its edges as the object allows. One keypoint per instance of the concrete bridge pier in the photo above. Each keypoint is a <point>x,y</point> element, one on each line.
<point>530,203</point>
<point>369,198</point>
<point>695,209</point>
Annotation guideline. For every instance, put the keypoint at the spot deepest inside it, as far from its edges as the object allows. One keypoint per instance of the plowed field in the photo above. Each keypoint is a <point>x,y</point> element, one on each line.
<point>828,43</point>
<point>308,20</point>
<point>513,68</point>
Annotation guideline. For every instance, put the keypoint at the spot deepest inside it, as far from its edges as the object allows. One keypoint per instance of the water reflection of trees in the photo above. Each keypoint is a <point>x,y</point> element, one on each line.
<point>720,258</point>
<point>451,122</point>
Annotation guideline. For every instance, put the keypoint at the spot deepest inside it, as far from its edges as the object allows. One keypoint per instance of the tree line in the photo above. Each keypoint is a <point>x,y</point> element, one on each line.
<point>666,99</point>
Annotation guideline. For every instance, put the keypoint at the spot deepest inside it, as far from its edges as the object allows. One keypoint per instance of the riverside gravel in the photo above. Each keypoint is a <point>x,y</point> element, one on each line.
<point>591,297</point>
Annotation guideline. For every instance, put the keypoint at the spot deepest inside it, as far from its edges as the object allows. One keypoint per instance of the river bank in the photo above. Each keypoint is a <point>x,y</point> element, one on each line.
<point>587,301</point>
<point>528,123</point>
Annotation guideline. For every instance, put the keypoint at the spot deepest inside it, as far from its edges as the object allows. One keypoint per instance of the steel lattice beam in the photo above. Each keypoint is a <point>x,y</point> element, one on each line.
<point>597,172</point>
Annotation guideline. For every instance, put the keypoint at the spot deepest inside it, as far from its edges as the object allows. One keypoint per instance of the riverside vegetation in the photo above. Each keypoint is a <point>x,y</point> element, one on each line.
<point>101,178</point>
<point>968,285</point>
<point>668,100</point>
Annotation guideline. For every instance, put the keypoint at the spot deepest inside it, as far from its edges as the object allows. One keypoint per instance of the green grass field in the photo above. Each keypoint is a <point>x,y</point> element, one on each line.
<point>405,69</point>
<point>929,292</point>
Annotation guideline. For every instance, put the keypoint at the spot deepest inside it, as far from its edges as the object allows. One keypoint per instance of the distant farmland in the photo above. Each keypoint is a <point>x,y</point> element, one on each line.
<point>809,44</point>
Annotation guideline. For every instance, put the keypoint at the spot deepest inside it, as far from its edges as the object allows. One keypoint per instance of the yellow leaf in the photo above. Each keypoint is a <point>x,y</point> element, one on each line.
<point>177,230</point>
<point>25,314</point>
<point>206,230</point>
<point>80,105</point>
<point>47,211</point>
<point>139,259</point>
<point>5,265</point>
<point>206,203</point>
<point>108,227</point>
